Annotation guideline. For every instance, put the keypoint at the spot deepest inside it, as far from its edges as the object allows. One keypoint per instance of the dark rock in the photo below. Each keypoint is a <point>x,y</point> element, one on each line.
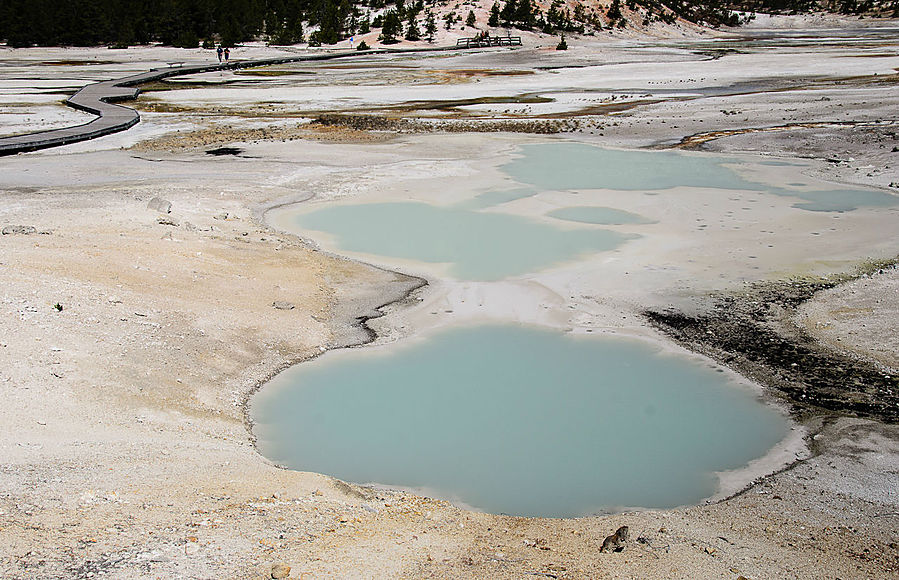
<point>219,151</point>
<point>167,221</point>
<point>615,542</point>
<point>20,230</point>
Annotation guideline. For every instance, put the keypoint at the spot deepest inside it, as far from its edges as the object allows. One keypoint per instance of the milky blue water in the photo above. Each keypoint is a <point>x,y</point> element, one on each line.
<point>477,245</point>
<point>498,197</point>
<point>577,166</point>
<point>517,420</point>
<point>478,239</point>
<point>565,165</point>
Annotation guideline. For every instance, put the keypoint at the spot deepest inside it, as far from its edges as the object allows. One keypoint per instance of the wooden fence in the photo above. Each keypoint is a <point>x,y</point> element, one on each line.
<point>485,41</point>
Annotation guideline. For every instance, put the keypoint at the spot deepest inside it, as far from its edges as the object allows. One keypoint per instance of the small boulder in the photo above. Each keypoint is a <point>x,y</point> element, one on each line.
<point>615,542</point>
<point>280,570</point>
<point>160,205</point>
<point>281,305</point>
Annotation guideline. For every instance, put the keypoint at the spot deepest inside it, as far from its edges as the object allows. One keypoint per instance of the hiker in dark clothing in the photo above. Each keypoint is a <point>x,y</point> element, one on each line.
<point>227,54</point>
<point>219,51</point>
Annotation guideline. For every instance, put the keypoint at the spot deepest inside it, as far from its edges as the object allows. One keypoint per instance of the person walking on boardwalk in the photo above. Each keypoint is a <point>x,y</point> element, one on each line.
<point>227,54</point>
<point>219,52</point>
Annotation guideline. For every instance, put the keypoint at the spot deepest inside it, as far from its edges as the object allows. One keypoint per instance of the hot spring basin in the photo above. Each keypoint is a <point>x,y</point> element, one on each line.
<point>517,420</point>
<point>478,239</point>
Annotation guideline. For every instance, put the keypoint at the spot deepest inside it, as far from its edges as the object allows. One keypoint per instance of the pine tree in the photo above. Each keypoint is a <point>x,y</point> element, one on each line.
<point>494,15</point>
<point>553,17</point>
<point>412,31</point>
<point>471,20</point>
<point>392,27</point>
<point>330,22</point>
<point>508,12</point>
<point>524,14</point>
<point>430,25</point>
<point>449,19</point>
<point>614,12</point>
<point>365,24</point>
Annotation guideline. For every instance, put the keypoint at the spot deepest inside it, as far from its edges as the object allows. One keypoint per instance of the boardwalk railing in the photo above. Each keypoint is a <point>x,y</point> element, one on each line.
<point>485,41</point>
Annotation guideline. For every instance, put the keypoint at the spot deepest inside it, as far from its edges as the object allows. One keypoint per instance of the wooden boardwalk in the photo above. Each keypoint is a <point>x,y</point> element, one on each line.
<point>100,98</point>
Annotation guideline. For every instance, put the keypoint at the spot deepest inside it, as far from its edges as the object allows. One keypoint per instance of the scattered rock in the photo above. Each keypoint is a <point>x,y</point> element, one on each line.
<point>615,542</point>
<point>219,151</point>
<point>537,543</point>
<point>281,305</point>
<point>745,331</point>
<point>280,570</point>
<point>167,221</point>
<point>20,230</point>
<point>222,216</point>
<point>379,123</point>
<point>160,205</point>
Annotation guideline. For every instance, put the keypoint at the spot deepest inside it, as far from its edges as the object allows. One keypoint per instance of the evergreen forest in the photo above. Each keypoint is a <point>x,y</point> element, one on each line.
<point>192,23</point>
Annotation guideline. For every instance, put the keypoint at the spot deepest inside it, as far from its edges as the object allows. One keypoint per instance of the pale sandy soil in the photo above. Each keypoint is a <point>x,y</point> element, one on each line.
<point>859,317</point>
<point>124,446</point>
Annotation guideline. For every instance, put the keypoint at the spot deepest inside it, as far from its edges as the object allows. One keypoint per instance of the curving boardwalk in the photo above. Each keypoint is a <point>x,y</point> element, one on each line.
<point>100,98</point>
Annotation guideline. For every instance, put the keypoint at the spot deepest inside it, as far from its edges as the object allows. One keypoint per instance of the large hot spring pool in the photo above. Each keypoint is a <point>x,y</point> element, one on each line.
<point>517,420</point>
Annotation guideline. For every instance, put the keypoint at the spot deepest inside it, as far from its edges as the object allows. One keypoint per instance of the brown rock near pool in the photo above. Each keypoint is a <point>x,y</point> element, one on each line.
<point>615,542</point>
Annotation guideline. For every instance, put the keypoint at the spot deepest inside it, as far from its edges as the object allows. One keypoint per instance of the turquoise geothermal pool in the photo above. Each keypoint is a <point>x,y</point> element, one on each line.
<point>478,240</point>
<point>517,420</point>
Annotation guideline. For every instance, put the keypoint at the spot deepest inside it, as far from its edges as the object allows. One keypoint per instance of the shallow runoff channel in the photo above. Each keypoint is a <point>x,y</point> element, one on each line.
<point>511,409</point>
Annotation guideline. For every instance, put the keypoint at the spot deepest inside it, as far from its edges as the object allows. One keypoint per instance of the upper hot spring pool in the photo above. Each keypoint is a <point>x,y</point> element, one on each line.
<point>477,239</point>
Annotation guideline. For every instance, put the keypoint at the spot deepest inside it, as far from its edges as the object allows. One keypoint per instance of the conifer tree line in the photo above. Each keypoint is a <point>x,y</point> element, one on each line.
<point>188,23</point>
